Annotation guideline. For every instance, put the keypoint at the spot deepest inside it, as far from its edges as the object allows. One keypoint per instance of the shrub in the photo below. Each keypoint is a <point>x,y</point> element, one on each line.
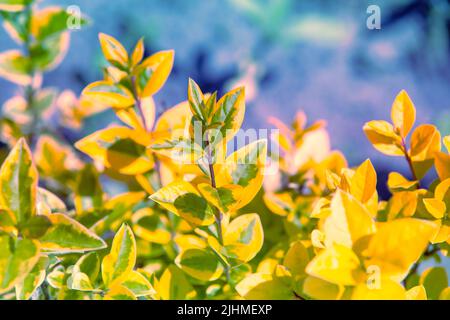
<point>195,222</point>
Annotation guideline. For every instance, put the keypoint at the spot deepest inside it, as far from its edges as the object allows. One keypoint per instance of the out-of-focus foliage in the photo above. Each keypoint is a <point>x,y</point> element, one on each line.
<point>195,222</point>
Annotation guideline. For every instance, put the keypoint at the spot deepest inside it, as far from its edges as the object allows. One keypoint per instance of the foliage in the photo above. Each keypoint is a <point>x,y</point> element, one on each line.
<point>195,222</point>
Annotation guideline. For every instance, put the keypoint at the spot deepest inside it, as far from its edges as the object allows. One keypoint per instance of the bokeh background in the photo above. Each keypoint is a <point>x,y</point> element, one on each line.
<point>317,56</point>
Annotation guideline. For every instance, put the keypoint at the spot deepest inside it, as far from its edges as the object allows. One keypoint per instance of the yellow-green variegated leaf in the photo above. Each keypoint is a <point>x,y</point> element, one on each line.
<point>80,281</point>
<point>260,286</point>
<point>26,288</point>
<point>18,183</point>
<point>17,259</point>
<point>119,292</point>
<point>138,284</point>
<point>225,198</point>
<point>243,237</point>
<point>151,226</point>
<point>153,72</point>
<point>119,148</point>
<point>200,264</point>
<point>229,113</point>
<point>173,285</point>
<point>336,264</point>
<point>348,222</point>
<point>110,94</point>
<point>68,235</point>
<point>397,244</point>
<point>13,5</point>
<point>244,168</point>
<point>113,50</point>
<point>403,113</point>
<point>195,98</point>
<point>118,264</point>
<point>382,136</point>
<point>89,264</point>
<point>15,67</point>
<point>181,198</point>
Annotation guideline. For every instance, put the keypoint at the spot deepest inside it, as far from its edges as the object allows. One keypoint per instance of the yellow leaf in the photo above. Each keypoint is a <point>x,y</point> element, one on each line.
<point>297,258</point>
<point>382,136</point>
<point>403,113</point>
<point>402,203</point>
<point>364,182</point>
<point>138,53</point>
<point>259,286</point>
<point>442,165</point>
<point>435,206</point>
<point>348,222</point>
<point>416,293</point>
<point>387,290</point>
<point>447,143</point>
<point>320,289</point>
<point>113,50</point>
<point>336,264</point>
<point>397,182</point>
<point>425,143</point>
<point>397,244</point>
<point>160,65</point>
<point>173,285</point>
<point>108,93</point>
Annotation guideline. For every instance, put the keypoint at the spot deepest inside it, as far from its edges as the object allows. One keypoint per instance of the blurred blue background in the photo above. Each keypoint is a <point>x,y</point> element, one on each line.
<point>318,56</point>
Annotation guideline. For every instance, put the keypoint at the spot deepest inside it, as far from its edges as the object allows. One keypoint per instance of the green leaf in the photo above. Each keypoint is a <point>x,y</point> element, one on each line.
<point>26,288</point>
<point>200,264</point>
<point>434,280</point>
<point>68,235</point>
<point>120,293</point>
<point>49,53</point>
<point>121,260</point>
<point>52,21</point>
<point>35,227</point>
<point>17,259</point>
<point>18,182</point>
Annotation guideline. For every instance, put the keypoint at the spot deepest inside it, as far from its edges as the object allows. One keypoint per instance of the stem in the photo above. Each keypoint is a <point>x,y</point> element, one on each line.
<point>138,103</point>
<point>29,91</point>
<point>409,160</point>
<point>218,215</point>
